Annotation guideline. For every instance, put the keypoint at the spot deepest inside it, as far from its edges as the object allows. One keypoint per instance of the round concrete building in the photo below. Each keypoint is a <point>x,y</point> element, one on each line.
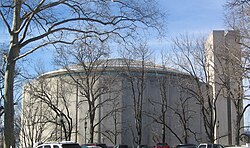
<point>115,101</point>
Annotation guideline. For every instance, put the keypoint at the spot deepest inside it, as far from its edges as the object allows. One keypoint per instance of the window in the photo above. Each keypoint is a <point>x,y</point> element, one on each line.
<point>202,146</point>
<point>71,146</point>
<point>220,146</point>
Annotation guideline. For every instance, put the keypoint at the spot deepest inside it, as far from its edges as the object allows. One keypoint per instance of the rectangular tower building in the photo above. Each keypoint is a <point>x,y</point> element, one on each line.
<point>224,71</point>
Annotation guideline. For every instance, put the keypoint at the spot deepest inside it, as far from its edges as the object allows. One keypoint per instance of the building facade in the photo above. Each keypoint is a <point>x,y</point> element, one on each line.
<point>133,109</point>
<point>225,77</point>
<point>122,101</point>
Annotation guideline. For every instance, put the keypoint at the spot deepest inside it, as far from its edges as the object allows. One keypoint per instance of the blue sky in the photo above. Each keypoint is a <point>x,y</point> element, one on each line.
<point>184,16</point>
<point>195,17</point>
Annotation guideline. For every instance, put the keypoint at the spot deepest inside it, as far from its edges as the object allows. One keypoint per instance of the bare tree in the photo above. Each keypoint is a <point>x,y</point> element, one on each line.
<point>86,64</point>
<point>179,110</point>
<point>33,122</point>
<point>224,73</point>
<point>2,64</point>
<point>237,18</point>
<point>35,24</point>
<point>17,96</point>
<point>114,107</point>
<point>185,115</point>
<point>162,117</point>
<point>136,60</point>
<point>191,58</point>
<point>47,115</point>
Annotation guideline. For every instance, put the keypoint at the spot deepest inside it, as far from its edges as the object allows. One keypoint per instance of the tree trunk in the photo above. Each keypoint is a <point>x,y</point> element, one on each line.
<point>9,106</point>
<point>163,121</point>
<point>91,125</point>
<point>91,132</point>
<point>9,140</point>
<point>238,119</point>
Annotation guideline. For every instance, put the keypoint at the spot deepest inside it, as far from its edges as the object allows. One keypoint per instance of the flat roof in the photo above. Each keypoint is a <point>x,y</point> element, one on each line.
<point>114,65</point>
